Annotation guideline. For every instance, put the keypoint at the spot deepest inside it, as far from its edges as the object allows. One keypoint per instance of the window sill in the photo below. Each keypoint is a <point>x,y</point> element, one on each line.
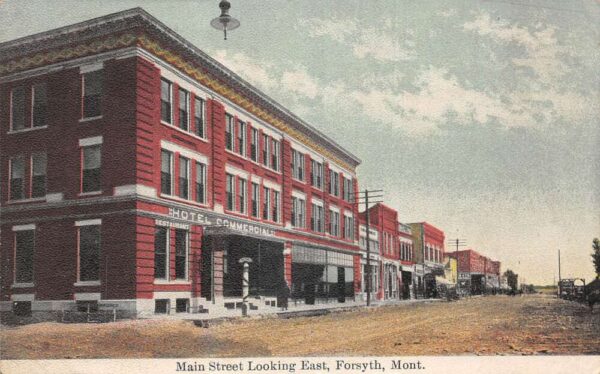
<point>31,200</point>
<point>22,285</point>
<point>172,282</point>
<point>91,193</point>
<point>179,199</point>
<point>27,129</point>
<point>88,119</point>
<point>190,134</point>
<point>86,283</point>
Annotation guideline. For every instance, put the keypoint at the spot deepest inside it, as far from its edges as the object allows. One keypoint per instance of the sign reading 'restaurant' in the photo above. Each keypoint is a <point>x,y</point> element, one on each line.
<point>207,219</point>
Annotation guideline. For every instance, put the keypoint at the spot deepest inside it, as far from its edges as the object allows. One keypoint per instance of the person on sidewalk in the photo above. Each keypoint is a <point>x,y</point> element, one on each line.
<point>283,294</point>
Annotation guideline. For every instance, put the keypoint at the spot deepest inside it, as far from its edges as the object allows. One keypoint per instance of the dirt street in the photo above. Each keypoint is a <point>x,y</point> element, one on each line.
<point>484,326</point>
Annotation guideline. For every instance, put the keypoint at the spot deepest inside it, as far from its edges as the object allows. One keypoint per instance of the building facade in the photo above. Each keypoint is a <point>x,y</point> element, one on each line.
<point>429,257</point>
<point>137,171</point>
<point>477,273</point>
<point>407,261</point>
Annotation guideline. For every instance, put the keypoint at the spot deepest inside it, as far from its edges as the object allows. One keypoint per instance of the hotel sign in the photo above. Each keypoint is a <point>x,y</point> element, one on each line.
<point>212,220</point>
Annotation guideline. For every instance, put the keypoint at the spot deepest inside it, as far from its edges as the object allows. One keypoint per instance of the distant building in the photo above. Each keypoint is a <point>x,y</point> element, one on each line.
<point>429,255</point>
<point>477,273</point>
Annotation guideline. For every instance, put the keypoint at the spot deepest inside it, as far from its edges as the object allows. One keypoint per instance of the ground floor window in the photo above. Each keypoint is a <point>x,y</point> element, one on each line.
<point>89,253</point>
<point>24,249</point>
<point>161,306</point>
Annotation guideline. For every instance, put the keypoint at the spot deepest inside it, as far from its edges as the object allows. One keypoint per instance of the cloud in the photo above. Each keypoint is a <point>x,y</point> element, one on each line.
<point>542,52</point>
<point>381,44</point>
<point>259,73</point>
<point>300,82</point>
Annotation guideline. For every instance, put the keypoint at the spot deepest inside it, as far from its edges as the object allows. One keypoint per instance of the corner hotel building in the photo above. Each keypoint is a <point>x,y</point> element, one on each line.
<point>136,171</point>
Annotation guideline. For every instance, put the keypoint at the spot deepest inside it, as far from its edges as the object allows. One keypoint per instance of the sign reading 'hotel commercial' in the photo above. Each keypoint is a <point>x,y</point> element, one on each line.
<point>210,220</point>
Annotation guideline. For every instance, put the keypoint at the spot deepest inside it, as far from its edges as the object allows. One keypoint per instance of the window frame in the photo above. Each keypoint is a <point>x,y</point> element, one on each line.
<point>83,168</point>
<point>254,144</point>
<point>255,200</point>
<point>169,102</point>
<point>200,171</point>
<point>242,195</point>
<point>35,108</point>
<point>181,193</point>
<point>31,255</point>
<point>183,125</point>
<point>229,132</point>
<point>84,78</point>
<point>242,137</point>
<point>11,168</point>
<point>171,172</point>
<point>186,255</point>
<point>230,191</point>
<point>98,226</point>
<point>23,109</point>
<point>167,246</point>
<point>202,118</point>
<point>32,183</point>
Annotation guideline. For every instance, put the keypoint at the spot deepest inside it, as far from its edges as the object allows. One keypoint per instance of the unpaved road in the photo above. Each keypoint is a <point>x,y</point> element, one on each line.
<point>484,326</point>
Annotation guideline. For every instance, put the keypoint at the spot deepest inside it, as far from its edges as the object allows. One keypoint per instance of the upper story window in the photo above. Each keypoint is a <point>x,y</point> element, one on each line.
<point>265,150</point>
<point>200,117</point>
<point>91,162</point>
<point>166,99</point>
<point>242,195</point>
<point>92,93</point>
<point>334,183</point>
<point>38,175</point>
<point>266,202</point>
<point>230,192</point>
<point>17,178</point>
<point>317,218</point>
<point>17,108</point>
<point>166,172</point>
<point>334,223</point>
<point>316,174</point>
<point>200,182</point>
<point>241,138</point>
<point>298,212</point>
<point>184,178</point>
<point>39,115</point>
<point>348,227</point>
<point>297,165</point>
<point>348,189</point>
<point>254,144</point>
<point>229,130</point>
<point>275,155</point>
<point>255,199</point>
<point>24,254</point>
<point>275,215</point>
<point>184,109</point>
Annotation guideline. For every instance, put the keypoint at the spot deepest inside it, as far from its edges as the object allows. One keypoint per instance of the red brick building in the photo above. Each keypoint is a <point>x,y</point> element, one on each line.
<point>428,255</point>
<point>384,220</point>
<point>137,171</point>
<point>407,261</point>
<point>477,272</point>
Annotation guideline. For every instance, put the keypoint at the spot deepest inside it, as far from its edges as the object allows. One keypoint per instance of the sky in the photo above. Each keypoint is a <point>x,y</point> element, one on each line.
<point>480,117</point>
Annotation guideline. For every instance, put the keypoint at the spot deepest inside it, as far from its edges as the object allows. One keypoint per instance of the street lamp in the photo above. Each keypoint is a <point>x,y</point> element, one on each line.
<point>225,21</point>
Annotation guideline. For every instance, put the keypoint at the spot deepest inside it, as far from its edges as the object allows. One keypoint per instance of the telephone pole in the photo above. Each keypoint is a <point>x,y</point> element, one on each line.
<point>363,197</point>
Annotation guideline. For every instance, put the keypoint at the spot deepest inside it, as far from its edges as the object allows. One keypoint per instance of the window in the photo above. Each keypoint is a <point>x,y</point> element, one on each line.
<point>229,132</point>
<point>92,94</point>
<point>89,253</point>
<point>90,176</point>
<point>334,183</point>
<point>242,138</point>
<point>38,175</point>
<point>161,306</point>
<point>165,100</point>
<point>24,247</point>
<point>166,172</point>
<point>266,202</point>
<point>200,182</point>
<point>255,199</point>
<point>334,223</point>
<point>230,192</point>
<point>181,253</point>
<point>40,105</point>
<point>199,117</point>
<point>184,109</point>
<point>242,195</point>
<point>348,189</point>
<point>161,253</point>
<point>297,165</point>
<point>184,178</point>
<point>17,178</point>
<point>317,218</point>
<point>253,144</point>
<point>348,227</point>
<point>298,212</point>
<point>275,155</point>
<point>316,175</point>
<point>17,108</point>
<point>275,214</point>
<point>265,151</point>
<point>182,305</point>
